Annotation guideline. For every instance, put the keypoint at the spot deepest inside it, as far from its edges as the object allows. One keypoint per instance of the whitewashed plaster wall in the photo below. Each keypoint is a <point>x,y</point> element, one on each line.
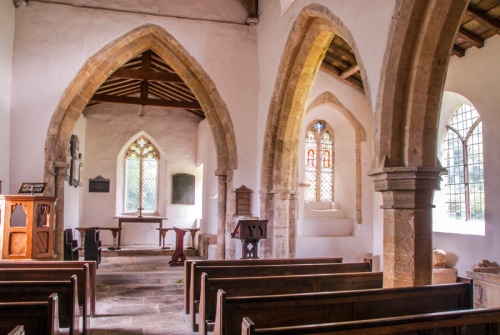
<point>367,22</point>
<point>7,30</point>
<point>352,248</point>
<point>110,129</point>
<point>53,42</point>
<point>207,159</point>
<point>477,78</point>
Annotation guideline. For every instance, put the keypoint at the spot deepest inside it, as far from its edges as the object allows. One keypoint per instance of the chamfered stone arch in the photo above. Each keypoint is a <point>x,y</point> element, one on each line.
<point>97,69</point>
<point>307,43</point>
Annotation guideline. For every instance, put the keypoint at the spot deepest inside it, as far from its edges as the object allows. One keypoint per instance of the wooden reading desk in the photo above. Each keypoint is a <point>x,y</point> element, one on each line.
<point>138,219</point>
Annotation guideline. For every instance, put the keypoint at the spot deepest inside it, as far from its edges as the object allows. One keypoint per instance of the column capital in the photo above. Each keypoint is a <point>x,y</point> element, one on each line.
<point>407,178</point>
<point>407,187</point>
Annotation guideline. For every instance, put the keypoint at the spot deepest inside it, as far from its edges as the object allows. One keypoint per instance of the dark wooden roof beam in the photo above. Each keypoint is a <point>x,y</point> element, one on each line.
<point>350,71</point>
<point>146,75</point>
<point>117,88</point>
<point>458,51</point>
<point>174,91</point>
<point>334,48</point>
<point>482,18</point>
<point>144,102</point>
<point>473,39</point>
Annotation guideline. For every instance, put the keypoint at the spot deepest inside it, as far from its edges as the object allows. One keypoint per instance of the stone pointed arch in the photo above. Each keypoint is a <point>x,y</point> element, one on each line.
<point>98,68</point>
<point>307,42</point>
<point>415,64</point>
<point>405,167</point>
<point>360,136</point>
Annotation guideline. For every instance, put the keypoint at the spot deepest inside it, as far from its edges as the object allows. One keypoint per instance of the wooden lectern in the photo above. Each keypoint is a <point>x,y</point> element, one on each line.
<point>27,225</point>
<point>250,232</point>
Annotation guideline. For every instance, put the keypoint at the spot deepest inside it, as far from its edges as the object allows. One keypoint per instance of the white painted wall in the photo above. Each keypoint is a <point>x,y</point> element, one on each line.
<point>476,77</point>
<point>64,37</point>
<point>352,248</point>
<point>7,31</point>
<point>220,48</point>
<point>110,130</point>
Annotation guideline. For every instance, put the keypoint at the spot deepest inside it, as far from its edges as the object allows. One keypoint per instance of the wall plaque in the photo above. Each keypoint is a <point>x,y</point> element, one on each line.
<point>183,189</point>
<point>99,184</point>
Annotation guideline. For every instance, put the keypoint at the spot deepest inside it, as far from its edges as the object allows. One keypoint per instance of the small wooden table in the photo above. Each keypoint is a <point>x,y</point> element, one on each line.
<point>163,234</point>
<point>138,219</point>
<point>193,233</point>
<point>115,232</point>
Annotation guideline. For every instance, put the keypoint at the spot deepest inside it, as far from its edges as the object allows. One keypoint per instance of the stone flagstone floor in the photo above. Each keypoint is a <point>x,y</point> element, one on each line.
<point>139,295</point>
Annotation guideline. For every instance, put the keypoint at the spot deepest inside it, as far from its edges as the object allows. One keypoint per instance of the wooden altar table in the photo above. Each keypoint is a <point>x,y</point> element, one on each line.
<point>138,219</point>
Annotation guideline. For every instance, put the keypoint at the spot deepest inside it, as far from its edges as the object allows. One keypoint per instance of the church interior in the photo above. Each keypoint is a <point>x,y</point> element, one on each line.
<point>349,129</point>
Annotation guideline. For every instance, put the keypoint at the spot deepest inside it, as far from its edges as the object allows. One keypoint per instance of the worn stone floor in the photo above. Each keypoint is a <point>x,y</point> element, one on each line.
<point>139,294</point>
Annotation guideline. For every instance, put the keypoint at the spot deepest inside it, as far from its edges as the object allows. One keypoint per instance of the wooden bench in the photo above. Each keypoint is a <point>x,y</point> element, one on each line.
<point>463,322</point>
<point>188,266</point>
<point>67,293</point>
<point>312,308</point>
<point>18,330</point>
<point>37,317</point>
<point>260,271</point>
<point>273,285</point>
<point>61,264</point>
<point>40,274</point>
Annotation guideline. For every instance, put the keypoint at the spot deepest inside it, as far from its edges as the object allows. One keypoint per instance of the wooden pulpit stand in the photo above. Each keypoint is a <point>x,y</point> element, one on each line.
<point>250,232</point>
<point>178,258</point>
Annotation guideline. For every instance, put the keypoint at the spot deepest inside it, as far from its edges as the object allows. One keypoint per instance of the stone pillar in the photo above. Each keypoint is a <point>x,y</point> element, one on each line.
<point>58,174</point>
<point>407,195</point>
<point>222,211</point>
<point>281,225</point>
<point>267,213</point>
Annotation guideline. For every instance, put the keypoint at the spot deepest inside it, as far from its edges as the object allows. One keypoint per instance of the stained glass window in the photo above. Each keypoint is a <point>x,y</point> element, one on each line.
<point>141,177</point>
<point>319,158</point>
<point>463,159</point>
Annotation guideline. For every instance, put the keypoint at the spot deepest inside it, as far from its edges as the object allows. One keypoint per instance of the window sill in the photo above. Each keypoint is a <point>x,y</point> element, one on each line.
<point>460,227</point>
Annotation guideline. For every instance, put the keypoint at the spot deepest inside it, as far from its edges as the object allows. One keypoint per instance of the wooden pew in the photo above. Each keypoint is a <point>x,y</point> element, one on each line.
<point>261,271</point>
<point>67,293</point>
<point>272,261</point>
<point>61,264</point>
<point>464,322</point>
<point>312,308</point>
<point>82,274</point>
<point>37,317</point>
<point>273,285</point>
<point>18,330</point>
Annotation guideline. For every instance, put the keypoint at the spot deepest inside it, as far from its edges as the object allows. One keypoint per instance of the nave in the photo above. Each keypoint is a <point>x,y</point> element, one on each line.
<point>139,295</point>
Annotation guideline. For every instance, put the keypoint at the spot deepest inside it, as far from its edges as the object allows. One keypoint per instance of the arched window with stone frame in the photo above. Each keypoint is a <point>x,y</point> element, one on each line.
<point>319,162</point>
<point>141,177</point>
<point>463,160</point>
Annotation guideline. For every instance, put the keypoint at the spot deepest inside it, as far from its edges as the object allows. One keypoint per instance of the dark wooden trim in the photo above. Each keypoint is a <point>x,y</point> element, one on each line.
<point>147,101</point>
<point>146,75</point>
<point>458,51</point>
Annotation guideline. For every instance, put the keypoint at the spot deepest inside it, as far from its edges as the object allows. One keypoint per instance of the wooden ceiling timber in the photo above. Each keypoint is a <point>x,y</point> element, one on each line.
<point>336,73</point>
<point>458,51</point>
<point>252,7</point>
<point>482,18</point>
<point>350,71</point>
<point>146,75</point>
<point>146,102</point>
<point>470,37</point>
